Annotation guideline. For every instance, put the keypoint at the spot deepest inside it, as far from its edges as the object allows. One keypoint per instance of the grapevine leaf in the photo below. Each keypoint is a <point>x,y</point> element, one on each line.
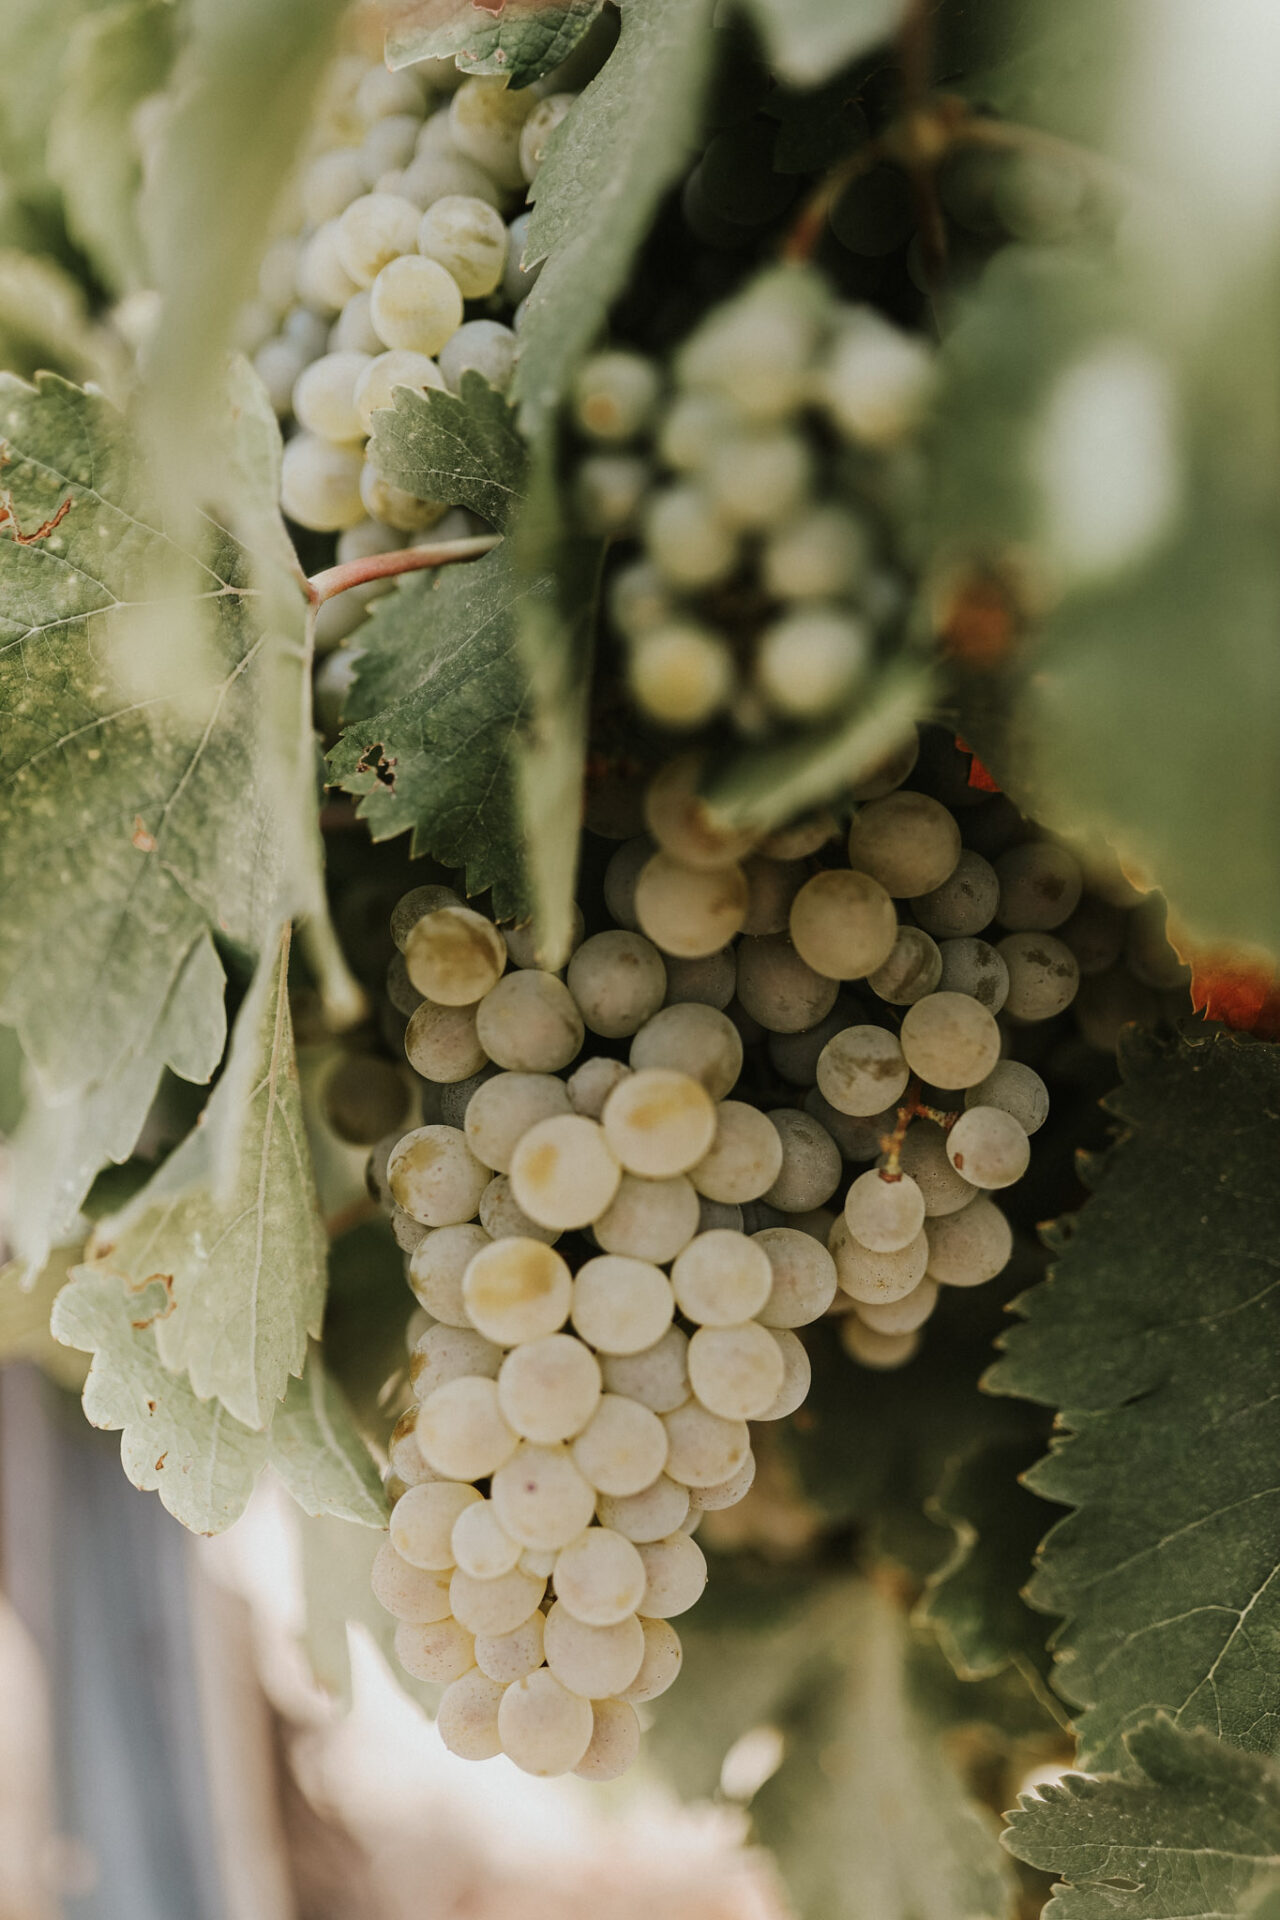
<point>114,59</point>
<point>524,39</point>
<point>242,104</point>
<point>24,1320</point>
<point>337,1561</point>
<point>462,448</point>
<point>155,766</point>
<point>315,1449</point>
<point>974,1601</point>
<point>191,1452</point>
<point>36,33</point>
<point>1155,1335</point>
<point>231,1221</point>
<point>866,1814</point>
<point>44,322</point>
<point>1192,1831</point>
<point>766,786</point>
<point>604,171</point>
<point>439,697</point>
<point>808,40</point>
<point>59,1146</point>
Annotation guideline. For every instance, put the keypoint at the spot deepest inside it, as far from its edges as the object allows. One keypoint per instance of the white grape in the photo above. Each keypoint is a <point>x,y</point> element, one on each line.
<point>416,304</point>
<point>969,1247</point>
<point>703,1448</point>
<point>809,661</point>
<point>913,969</point>
<point>441,1043</point>
<point>802,838</point>
<point>419,901</point>
<point>541,1499</point>
<point>796,1375</point>
<point>649,1219</point>
<point>657,1376</point>
<point>320,484</point>
<point>414,1593</point>
<point>950,1040</point>
<point>544,1729</point>
<point>757,476</point>
<point>811,1163</point>
<point>680,673</point>
<point>522,942</point>
<point>721,1278</point>
<point>843,924</point>
<point>278,364</point>
<point>659,1122</point>
<point>651,1514</point>
<point>819,554</point>
<point>600,1577</point>
<point>621,1305</point>
<point>529,1023</point>
<point>691,426</point>
<point>884,1212</point>
<point>388,146</point>
<point>771,887</point>
<point>778,987</point>
<point>403,1453</point>
<point>621,877</point>
<point>1044,975</point>
<point>467,1716</point>
<point>548,1389</point>
<point>756,352</point>
<point>686,539</point>
<point>804,1277</point>
<point>461,1430</point>
<point>486,118</point>
<point>925,1155</point>
<point>684,825</point>
<point>1040,886</point>
<point>965,902</point>
<point>744,1159</point>
<point>485,347</point>
<point>989,1147</point>
<point>454,956</point>
<point>517,1290</point>
<point>608,489</point>
<point>481,1546</point>
<point>323,283</point>
<point>506,1657</point>
<point>502,1111</point>
<point>382,92</point>
<point>373,231</point>
<point>974,967</point>
<point>862,1071</point>
<point>614,394</point>
<point>436,1268</point>
<point>503,1218</point>
<point>907,841</point>
<point>727,1494</point>
<point>494,1606</point>
<point>592,1661</point>
<point>865,1275</point>
<point>306,331</point>
<point>563,1172</point>
<point>691,1038</point>
<point>709,981</point>
<point>395,506</point>
<point>452,1353</point>
<point>795,1056</point>
<point>522,272</point>
<point>618,981</point>
<point>881,1351</point>
<point>434,174</point>
<point>324,397</point>
<point>439,1652</point>
<point>468,238</point>
<point>615,1741</point>
<point>1015,1088</point>
<point>675,1573</point>
<point>591,1083</point>
<point>1095,934</point>
<point>877,380</point>
<point>376,386</point>
<point>434,1176</point>
<point>330,183</point>
<point>735,1371</point>
<point>903,1315</point>
<point>538,129</point>
<point>622,1448</point>
<point>660,1667</point>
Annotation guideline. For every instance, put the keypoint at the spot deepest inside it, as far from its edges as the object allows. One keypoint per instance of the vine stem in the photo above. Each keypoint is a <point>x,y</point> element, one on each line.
<point>912,1108</point>
<point>385,566</point>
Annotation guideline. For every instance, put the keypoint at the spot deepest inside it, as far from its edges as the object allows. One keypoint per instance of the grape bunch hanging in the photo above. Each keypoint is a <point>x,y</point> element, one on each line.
<point>777,1080</point>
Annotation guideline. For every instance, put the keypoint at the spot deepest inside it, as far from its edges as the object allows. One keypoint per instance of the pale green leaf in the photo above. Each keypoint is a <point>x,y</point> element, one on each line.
<point>24,1320</point>
<point>432,720</point>
<point>523,39</point>
<point>315,1449</point>
<point>44,323</point>
<point>1191,1833</point>
<point>1155,1337</point>
<point>231,1221</point>
<point>605,169</point>
<point>809,39</point>
<point>36,33</point>
<point>191,1452</point>
<point>460,448</point>
<point>115,59</point>
<point>337,1562</point>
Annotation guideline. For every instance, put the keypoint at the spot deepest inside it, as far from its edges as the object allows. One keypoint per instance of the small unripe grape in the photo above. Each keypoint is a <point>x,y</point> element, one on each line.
<point>433,1175</point>
<point>778,987</point>
<point>657,1376</point>
<point>969,1247</point>
<point>440,1652</point>
<point>503,1218</point>
<point>330,183</point>
<point>862,1070</point>
<point>618,981</point>
<point>436,1268</point>
<point>529,1023</point>
<point>495,1606</point>
<point>721,1278</point>
<point>1040,886</point>
<point>659,1122</point>
<point>442,1045</point>
<point>811,1163</point>
<point>736,1371</point>
<point>1043,976</point>
<point>809,661</point>
<point>538,129</point>
<point>591,1084</point>
<point>883,1211</point>
<point>593,1661</point>
<point>320,484</point>
<point>686,539</point>
<point>660,1668</point>
<point>904,1315</point>
<point>486,118</point>
<point>972,966</point>
<point>925,1155</point>
<point>623,1447</point>
<point>414,905</point>
<point>709,981</point>
<point>462,1432</point>
<point>548,1389</point>
<point>485,347</point>
<point>323,283</point>
<point>965,902</point>
<point>324,397</point>
<point>913,969</point>
<point>480,1546</point>
<point>907,841</point>
<point>682,823</point>
<point>517,1290</point>
<point>433,174</point>
<point>881,1351</point>
<point>395,506</point>
<point>744,1159</point>
<point>865,1275</point>
<point>755,478</point>
<point>467,1716</point>
<point>621,1305</point>
<point>804,1278</point>
<point>540,1497</point>
<point>353,331</point>
<point>877,381</point>
<point>950,1040</point>
<point>468,238</point>
<point>600,1577</point>
<point>691,427</point>
<point>702,1448</point>
<point>377,383</point>
<point>1017,1089</point>
<point>843,924</point>
<point>614,395</point>
<point>416,305</point>
<point>451,1353</point>
<point>649,1219</point>
<point>454,956</point>
<point>651,1514</point>
<point>422,1522</point>
<point>503,1110</point>
<point>373,231</point>
<point>564,1173</point>
<point>989,1147</point>
<point>820,554</point>
<point>797,1375</point>
<point>675,1571</point>
<point>544,1729</point>
<point>680,673</point>
<point>506,1657</point>
<point>414,1593</point>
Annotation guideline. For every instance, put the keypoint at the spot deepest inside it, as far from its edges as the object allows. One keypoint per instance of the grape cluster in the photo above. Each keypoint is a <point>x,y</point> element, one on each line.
<point>770,492</point>
<point>404,271</point>
<point>799,1096</point>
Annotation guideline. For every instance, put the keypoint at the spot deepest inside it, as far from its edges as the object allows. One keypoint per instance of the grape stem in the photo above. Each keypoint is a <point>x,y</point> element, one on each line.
<point>385,566</point>
<point>912,1108</point>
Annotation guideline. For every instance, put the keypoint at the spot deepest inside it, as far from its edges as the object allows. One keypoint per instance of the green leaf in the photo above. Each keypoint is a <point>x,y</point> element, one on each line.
<point>1192,1833</point>
<point>461,448</point>
<point>439,697</point>
<point>524,39</point>
<point>156,758</point>
<point>114,59</point>
<point>44,322</point>
<point>766,786</point>
<point>974,1600</point>
<point>606,168</point>
<point>866,1814</point>
<point>317,1452</point>
<point>36,33</point>
<point>1155,1337</point>
<point>191,1452</point>
<point>807,40</point>
<point>243,100</point>
<point>231,1221</point>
